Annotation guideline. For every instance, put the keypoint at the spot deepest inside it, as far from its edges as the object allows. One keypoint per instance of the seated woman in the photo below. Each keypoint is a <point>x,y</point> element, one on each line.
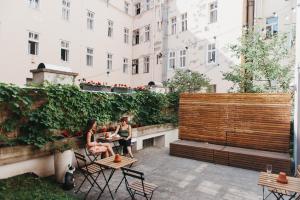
<point>124,131</point>
<point>95,147</point>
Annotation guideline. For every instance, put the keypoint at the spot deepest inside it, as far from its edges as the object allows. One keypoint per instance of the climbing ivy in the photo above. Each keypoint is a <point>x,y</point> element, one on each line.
<point>66,107</point>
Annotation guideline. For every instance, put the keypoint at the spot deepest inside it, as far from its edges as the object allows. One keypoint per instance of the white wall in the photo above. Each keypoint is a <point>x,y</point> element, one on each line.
<point>47,20</point>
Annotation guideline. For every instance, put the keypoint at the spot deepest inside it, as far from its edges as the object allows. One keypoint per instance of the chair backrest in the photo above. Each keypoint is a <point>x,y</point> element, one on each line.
<point>298,171</point>
<point>80,159</point>
<point>133,174</point>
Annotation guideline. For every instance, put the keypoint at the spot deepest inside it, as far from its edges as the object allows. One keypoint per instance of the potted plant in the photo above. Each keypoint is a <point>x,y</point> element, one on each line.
<point>121,88</point>
<point>63,156</point>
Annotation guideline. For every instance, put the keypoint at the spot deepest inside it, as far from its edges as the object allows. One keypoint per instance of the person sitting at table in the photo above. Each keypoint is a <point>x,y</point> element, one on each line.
<point>93,146</point>
<point>124,131</point>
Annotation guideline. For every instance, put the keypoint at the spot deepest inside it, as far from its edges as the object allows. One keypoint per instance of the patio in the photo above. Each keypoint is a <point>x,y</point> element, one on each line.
<point>180,178</point>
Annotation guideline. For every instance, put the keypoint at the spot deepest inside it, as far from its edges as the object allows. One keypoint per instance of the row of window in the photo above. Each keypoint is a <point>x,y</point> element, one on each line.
<point>211,57</point>
<point>33,49</point>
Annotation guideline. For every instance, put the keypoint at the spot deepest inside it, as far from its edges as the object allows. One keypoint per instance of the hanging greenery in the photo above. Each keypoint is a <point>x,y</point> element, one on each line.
<point>67,108</point>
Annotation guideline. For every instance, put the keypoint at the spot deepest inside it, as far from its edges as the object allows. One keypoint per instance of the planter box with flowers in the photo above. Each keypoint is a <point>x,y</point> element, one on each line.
<point>95,86</point>
<point>121,88</point>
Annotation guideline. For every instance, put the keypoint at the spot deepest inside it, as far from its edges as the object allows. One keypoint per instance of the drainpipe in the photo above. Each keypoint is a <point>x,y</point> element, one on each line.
<point>297,92</point>
<point>250,13</point>
<point>165,40</point>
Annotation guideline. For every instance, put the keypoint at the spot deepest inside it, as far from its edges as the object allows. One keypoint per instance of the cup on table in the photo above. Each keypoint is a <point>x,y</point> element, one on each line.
<point>269,171</point>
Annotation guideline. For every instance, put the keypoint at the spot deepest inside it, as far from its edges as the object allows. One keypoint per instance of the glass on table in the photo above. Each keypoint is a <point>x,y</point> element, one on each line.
<point>269,171</point>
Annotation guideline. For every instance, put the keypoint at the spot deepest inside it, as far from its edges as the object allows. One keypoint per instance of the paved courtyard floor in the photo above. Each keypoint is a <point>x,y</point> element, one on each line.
<point>185,179</point>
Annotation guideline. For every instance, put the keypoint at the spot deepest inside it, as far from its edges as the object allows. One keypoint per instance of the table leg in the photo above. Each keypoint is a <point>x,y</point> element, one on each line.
<point>263,192</point>
<point>107,183</point>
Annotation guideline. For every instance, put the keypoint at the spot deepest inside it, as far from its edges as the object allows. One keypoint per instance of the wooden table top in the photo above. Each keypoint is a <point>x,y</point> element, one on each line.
<point>112,139</point>
<point>109,162</point>
<point>293,184</point>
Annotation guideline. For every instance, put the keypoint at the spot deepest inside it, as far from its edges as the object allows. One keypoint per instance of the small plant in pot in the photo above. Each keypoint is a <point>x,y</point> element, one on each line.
<point>63,156</point>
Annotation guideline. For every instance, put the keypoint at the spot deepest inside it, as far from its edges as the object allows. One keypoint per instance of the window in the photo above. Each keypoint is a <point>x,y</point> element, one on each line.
<point>183,58</point>
<point>109,61</point>
<point>34,3</point>
<point>147,33</point>
<point>184,22</point>
<point>147,4</point>
<point>172,58</point>
<point>211,53</point>
<point>136,37</point>
<point>66,9</point>
<point>33,43</point>
<point>110,28</point>
<point>213,12</point>
<point>126,7</point>
<point>173,25</point>
<point>271,26</point>
<point>146,64</point>
<point>125,65</point>
<point>126,35</point>
<point>90,20</point>
<point>89,56</point>
<point>135,66</point>
<point>64,50</point>
<point>137,8</point>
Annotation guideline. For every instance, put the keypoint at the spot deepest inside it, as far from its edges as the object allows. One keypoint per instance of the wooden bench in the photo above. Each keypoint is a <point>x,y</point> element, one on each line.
<point>232,156</point>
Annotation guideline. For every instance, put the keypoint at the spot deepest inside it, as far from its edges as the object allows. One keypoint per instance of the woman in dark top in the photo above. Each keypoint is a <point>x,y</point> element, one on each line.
<point>124,131</point>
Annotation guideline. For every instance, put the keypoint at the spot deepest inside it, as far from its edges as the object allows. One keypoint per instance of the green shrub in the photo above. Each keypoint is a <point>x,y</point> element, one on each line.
<point>68,108</point>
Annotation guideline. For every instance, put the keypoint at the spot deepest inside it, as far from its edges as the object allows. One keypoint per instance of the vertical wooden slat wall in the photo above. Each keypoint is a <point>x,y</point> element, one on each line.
<point>255,121</point>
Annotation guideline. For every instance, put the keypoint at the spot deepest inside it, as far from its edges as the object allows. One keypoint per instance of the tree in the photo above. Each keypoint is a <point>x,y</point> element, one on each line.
<point>265,66</point>
<point>188,81</point>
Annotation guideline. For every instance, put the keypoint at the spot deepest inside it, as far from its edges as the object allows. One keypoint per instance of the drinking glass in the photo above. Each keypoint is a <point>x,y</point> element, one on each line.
<point>269,171</point>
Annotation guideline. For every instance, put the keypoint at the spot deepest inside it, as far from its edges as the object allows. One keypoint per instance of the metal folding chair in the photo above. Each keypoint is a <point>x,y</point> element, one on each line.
<point>88,171</point>
<point>92,156</point>
<point>138,187</point>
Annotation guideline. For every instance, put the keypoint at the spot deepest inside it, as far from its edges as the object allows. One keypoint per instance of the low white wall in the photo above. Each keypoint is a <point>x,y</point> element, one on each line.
<point>44,166</point>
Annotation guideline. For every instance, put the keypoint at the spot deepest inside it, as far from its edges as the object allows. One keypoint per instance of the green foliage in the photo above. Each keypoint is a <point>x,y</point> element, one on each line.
<point>265,67</point>
<point>31,187</point>
<point>63,145</point>
<point>188,81</point>
<point>68,108</point>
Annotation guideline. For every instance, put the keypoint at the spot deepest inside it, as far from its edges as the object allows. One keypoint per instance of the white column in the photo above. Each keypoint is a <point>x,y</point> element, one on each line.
<point>297,94</point>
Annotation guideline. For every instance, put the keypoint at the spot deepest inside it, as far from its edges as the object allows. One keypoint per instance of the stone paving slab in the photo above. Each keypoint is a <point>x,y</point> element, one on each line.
<point>180,178</point>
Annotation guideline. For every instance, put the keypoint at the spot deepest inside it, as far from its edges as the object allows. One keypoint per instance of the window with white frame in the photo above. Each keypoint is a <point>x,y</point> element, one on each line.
<point>136,37</point>
<point>110,28</point>
<point>211,53</point>
<point>34,3</point>
<point>147,33</point>
<point>125,65</point>
<point>33,43</point>
<point>126,35</point>
<point>213,12</point>
<point>109,61</point>
<point>66,9</point>
<point>184,22</point>
<point>173,25</point>
<point>137,8</point>
<point>90,20</point>
<point>126,7</point>
<point>271,26</point>
<point>148,4</point>
<point>64,50</point>
<point>183,58</point>
<point>146,64</point>
<point>172,60</point>
<point>135,66</point>
<point>89,56</point>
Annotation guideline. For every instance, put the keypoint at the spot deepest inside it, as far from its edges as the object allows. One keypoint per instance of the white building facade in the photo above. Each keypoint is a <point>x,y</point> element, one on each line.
<point>129,42</point>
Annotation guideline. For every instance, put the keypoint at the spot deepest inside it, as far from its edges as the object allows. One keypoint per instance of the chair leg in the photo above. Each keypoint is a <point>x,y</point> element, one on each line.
<point>151,195</point>
<point>85,177</point>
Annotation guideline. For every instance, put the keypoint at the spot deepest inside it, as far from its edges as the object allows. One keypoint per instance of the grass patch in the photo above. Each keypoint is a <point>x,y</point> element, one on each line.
<point>29,186</point>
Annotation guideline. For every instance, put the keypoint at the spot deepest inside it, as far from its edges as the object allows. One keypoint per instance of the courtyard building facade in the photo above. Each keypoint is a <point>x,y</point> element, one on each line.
<point>132,42</point>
